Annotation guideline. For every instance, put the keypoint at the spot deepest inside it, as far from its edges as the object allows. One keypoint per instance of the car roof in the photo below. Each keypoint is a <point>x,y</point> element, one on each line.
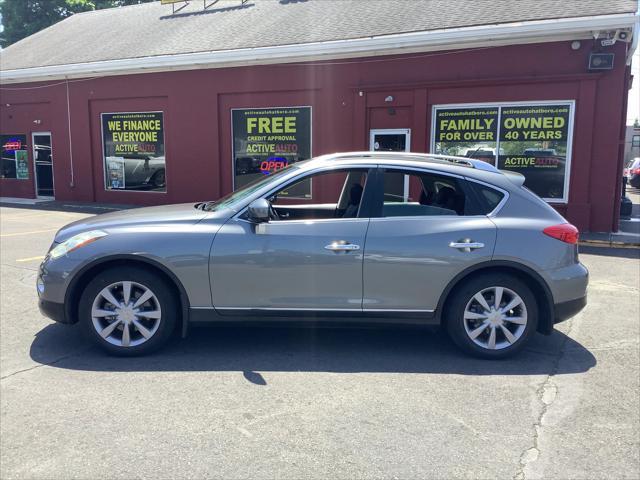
<point>466,167</point>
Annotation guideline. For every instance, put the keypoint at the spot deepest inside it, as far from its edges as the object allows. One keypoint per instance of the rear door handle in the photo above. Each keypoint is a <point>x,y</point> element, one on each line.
<point>467,246</point>
<point>342,247</point>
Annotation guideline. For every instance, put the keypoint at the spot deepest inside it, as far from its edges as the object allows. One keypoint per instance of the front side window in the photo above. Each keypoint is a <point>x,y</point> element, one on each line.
<point>338,194</point>
<point>134,154</point>
<point>426,194</point>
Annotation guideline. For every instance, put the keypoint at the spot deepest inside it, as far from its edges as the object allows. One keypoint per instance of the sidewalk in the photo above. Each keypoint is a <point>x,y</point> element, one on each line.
<point>629,233</point>
<point>62,206</point>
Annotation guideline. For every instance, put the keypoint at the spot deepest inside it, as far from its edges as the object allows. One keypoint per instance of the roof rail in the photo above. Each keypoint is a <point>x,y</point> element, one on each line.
<point>423,157</point>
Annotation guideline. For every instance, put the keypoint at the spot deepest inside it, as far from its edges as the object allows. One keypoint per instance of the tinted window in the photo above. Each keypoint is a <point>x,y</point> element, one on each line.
<point>488,198</point>
<point>337,194</point>
<point>409,193</point>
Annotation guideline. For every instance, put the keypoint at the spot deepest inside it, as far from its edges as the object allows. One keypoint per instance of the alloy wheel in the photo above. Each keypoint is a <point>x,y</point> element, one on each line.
<point>495,318</point>
<point>126,314</point>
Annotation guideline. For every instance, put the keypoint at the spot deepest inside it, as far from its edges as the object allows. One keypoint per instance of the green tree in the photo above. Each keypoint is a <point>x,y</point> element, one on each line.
<point>22,18</point>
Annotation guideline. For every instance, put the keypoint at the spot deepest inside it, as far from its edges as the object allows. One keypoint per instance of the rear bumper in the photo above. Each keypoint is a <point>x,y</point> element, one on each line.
<point>565,310</point>
<point>55,311</point>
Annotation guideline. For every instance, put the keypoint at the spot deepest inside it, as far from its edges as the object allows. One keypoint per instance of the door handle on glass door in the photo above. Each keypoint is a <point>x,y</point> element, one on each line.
<point>342,247</point>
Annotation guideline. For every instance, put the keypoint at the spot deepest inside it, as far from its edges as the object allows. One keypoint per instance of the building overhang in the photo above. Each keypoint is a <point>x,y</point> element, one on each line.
<point>482,36</point>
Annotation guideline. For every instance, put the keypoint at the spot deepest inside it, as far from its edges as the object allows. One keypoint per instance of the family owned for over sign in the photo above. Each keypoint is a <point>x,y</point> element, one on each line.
<point>513,128</point>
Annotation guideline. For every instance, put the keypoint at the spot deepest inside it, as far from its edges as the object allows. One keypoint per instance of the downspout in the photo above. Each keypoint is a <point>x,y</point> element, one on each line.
<point>72,182</point>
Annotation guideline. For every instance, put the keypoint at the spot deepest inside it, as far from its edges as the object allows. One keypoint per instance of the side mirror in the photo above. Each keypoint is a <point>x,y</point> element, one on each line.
<point>258,210</point>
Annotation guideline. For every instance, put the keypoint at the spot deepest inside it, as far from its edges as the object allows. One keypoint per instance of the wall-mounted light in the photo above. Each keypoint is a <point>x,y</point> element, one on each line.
<point>575,45</point>
<point>601,61</point>
<point>389,98</point>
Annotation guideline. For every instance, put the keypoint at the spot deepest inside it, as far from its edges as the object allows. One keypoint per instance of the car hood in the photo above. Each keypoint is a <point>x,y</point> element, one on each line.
<point>184,213</point>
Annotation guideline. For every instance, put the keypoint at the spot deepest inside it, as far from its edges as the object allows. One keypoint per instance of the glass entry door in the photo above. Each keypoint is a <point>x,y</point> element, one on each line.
<point>393,140</point>
<point>43,164</point>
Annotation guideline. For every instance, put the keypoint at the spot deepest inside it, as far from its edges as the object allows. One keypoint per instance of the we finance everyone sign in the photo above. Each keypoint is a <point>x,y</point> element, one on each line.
<point>133,148</point>
<point>266,140</point>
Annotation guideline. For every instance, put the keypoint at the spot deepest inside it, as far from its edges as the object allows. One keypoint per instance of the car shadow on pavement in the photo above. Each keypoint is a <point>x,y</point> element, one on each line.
<point>280,348</point>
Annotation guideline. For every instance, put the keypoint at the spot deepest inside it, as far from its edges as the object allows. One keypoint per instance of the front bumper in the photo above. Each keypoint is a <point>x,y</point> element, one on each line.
<point>565,310</point>
<point>53,310</point>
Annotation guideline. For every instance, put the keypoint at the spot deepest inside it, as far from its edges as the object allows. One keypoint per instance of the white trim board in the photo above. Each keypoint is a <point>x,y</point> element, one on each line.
<point>538,31</point>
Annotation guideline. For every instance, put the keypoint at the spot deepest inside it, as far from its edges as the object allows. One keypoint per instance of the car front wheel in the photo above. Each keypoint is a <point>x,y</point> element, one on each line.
<point>492,316</point>
<point>128,311</point>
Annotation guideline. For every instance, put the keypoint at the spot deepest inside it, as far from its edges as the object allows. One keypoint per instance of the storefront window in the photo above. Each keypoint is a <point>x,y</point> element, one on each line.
<point>467,132</point>
<point>133,148</point>
<point>532,139</point>
<point>266,140</point>
<point>15,163</point>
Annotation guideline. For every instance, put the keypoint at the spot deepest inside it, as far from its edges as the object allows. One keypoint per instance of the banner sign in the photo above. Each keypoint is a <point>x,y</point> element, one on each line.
<point>9,146</point>
<point>527,123</point>
<point>22,165</point>
<point>266,140</point>
<point>468,125</point>
<point>134,140</point>
<point>531,139</point>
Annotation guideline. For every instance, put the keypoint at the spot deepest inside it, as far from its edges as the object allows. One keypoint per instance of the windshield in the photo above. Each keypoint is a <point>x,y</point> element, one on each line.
<point>229,200</point>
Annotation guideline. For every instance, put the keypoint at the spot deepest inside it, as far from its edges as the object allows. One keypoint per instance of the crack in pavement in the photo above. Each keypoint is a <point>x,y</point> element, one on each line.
<point>57,360</point>
<point>546,394</point>
<point>19,267</point>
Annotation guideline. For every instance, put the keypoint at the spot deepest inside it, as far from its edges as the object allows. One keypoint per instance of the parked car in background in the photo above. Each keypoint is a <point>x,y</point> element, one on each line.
<point>466,247</point>
<point>632,172</point>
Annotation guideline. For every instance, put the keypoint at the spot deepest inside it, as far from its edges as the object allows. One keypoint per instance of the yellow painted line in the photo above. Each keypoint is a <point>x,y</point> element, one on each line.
<point>28,233</point>
<point>32,215</point>
<point>30,259</point>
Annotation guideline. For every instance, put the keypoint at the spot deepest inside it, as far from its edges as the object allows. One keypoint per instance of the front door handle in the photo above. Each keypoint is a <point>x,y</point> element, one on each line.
<point>342,246</point>
<point>466,246</point>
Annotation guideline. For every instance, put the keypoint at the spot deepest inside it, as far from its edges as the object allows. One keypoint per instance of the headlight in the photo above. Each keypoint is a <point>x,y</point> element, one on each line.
<point>76,242</point>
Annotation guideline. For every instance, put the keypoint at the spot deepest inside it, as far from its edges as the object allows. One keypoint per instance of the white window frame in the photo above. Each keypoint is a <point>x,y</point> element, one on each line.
<point>500,105</point>
<point>407,148</point>
<point>35,171</point>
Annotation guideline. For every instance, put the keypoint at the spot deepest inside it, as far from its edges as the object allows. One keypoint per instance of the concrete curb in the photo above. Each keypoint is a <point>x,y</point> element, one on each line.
<point>608,243</point>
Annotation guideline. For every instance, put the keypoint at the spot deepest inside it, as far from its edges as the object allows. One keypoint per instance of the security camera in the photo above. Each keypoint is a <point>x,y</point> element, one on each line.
<point>620,35</point>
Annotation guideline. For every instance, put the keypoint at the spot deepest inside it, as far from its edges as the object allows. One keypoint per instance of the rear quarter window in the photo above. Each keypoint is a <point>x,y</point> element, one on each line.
<point>488,198</point>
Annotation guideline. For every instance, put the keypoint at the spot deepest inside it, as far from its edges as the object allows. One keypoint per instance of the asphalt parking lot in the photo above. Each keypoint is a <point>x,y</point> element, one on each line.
<point>316,403</point>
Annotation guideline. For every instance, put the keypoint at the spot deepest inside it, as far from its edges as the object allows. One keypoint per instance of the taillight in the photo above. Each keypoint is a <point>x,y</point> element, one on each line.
<point>635,171</point>
<point>565,232</point>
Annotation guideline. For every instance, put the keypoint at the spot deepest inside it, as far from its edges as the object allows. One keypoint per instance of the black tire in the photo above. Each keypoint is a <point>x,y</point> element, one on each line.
<point>464,293</point>
<point>164,293</point>
<point>159,180</point>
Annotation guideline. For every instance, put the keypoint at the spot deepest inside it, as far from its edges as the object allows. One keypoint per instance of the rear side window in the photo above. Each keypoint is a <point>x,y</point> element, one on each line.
<point>488,198</point>
<point>408,193</point>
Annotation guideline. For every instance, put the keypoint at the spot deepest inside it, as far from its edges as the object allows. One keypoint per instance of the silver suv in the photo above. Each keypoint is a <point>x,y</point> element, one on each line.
<point>351,237</point>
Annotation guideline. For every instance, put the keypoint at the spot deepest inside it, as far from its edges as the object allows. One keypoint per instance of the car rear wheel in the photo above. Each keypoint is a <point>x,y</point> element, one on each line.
<point>492,316</point>
<point>128,311</point>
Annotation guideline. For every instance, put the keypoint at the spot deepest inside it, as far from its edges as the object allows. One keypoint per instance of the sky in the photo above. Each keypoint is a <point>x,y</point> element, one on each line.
<point>633,107</point>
